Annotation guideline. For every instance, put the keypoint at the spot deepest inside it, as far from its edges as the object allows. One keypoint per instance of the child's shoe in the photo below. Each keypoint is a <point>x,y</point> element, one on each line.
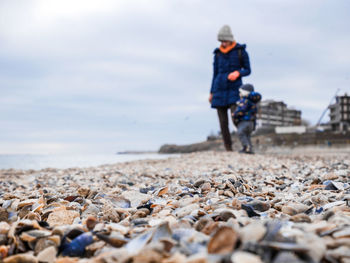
<point>244,150</point>
<point>249,151</point>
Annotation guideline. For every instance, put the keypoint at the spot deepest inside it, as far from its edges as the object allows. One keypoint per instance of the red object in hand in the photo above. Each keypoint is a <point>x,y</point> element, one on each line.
<point>233,75</point>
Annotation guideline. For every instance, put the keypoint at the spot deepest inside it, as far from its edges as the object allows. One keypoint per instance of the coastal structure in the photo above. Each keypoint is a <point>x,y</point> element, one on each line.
<point>276,113</point>
<point>290,129</point>
<point>339,113</point>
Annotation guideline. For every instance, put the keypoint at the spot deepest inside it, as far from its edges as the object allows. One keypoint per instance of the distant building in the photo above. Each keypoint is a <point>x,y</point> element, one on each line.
<point>339,113</point>
<point>290,129</point>
<point>276,113</point>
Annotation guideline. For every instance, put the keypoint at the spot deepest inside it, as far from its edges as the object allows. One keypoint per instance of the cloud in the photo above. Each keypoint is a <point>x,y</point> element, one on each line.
<point>138,73</point>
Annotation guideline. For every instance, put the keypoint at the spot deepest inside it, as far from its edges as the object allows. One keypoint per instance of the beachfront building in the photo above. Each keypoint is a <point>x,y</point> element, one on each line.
<point>276,113</point>
<point>339,113</point>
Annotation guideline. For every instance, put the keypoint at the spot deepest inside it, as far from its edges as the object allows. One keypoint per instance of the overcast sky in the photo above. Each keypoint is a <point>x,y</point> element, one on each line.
<point>114,75</point>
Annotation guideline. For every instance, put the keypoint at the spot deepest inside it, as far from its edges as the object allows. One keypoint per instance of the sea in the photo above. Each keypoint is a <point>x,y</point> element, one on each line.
<point>60,161</point>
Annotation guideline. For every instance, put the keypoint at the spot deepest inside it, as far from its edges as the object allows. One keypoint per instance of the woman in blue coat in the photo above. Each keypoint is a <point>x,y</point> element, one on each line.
<point>231,63</point>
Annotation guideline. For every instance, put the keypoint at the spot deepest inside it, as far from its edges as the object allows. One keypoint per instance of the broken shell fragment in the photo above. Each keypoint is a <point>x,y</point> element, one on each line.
<point>223,241</point>
<point>61,217</point>
<point>76,248</point>
<point>21,258</point>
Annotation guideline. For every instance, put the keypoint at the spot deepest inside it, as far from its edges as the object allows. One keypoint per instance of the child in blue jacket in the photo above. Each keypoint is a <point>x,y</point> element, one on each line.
<point>244,116</point>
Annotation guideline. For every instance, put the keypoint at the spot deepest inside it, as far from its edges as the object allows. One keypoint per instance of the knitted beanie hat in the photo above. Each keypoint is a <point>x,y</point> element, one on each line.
<point>225,34</point>
<point>247,87</point>
<point>245,90</point>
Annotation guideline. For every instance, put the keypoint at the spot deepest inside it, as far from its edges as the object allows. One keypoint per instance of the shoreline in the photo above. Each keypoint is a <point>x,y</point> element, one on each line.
<point>259,150</point>
<point>66,161</point>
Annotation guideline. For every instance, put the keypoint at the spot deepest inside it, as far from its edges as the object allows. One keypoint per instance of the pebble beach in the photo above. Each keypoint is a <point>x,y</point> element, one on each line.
<point>194,208</point>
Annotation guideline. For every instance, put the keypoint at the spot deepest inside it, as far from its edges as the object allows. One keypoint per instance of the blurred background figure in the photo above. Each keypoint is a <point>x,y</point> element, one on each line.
<point>245,116</point>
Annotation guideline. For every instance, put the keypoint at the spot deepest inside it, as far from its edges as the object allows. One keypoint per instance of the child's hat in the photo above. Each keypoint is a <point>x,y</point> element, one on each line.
<point>247,87</point>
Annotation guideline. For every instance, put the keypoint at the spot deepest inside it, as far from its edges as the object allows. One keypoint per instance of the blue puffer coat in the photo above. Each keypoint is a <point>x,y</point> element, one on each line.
<point>225,92</point>
<point>246,108</point>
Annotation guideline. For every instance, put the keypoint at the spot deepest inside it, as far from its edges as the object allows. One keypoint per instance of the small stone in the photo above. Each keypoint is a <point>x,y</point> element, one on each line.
<point>44,243</point>
<point>249,210</point>
<point>260,206</point>
<point>21,258</point>
<point>236,204</point>
<point>228,193</point>
<point>221,186</point>
<point>316,186</point>
<point>4,228</point>
<point>67,260</point>
<point>175,258</point>
<point>91,222</point>
<point>109,213</point>
<point>111,256</point>
<point>163,191</point>
<point>83,191</point>
<point>289,210</point>
<point>210,228</point>
<point>47,255</point>
<point>184,211</point>
<point>301,218</point>
<point>287,257</point>
<point>300,208</point>
<point>199,183</point>
<point>62,217</point>
<point>136,198</point>
<point>226,215</point>
<point>140,214</point>
<point>201,223</point>
<point>28,202</point>
<point>91,210</point>
<point>342,233</point>
<point>3,214</point>
<point>4,250</point>
<point>334,186</point>
<point>223,241</point>
<point>253,232</point>
<point>3,239</point>
<point>148,255</point>
<point>119,201</point>
<point>197,258</point>
<point>205,187</point>
<point>294,208</point>
<point>245,257</point>
<point>91,249</point>
<point>339,252</point>
<point>330,176</point>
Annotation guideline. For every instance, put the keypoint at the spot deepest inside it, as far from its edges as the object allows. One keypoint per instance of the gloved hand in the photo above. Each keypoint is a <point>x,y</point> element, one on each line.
<point>233,75</point>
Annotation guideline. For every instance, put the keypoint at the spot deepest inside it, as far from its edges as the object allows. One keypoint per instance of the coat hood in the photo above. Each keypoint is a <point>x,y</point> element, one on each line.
<point>254,97</point>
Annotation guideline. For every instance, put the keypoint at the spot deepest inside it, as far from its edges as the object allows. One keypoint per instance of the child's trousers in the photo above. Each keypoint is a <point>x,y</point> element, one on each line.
<point>244,130</point>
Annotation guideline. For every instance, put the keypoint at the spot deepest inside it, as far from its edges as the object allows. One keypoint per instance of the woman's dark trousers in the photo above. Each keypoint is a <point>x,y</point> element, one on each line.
<point>224,125</point>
